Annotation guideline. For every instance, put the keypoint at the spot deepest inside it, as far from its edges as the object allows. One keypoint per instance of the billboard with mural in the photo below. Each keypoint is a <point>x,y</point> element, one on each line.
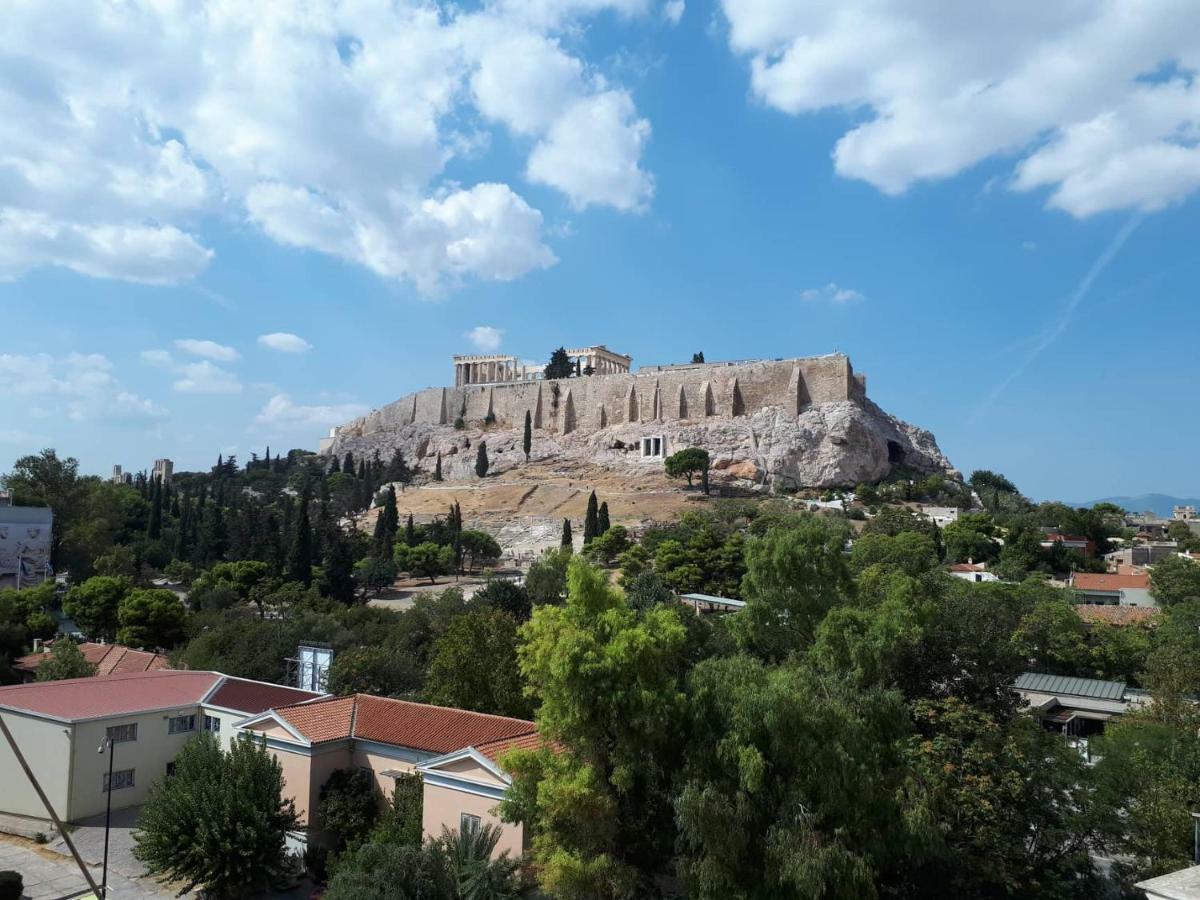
<point>25,533</point>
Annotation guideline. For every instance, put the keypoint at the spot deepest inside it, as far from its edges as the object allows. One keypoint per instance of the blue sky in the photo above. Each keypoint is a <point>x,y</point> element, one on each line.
<point>995,217</point>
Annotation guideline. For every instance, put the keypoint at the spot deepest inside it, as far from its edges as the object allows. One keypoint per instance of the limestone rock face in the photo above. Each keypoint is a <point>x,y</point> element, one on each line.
<point>837,444</point>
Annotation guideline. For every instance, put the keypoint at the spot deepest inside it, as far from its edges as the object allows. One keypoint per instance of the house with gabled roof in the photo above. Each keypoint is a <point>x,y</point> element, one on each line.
<point>455,751</point>
<point>148,715</point>
<point>109,659</point>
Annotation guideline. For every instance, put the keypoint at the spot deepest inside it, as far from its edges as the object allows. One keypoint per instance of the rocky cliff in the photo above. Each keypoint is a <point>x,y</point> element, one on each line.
<point>831,444</point>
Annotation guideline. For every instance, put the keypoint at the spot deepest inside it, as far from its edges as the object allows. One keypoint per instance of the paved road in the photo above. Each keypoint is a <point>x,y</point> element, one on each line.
<point>50,876</point>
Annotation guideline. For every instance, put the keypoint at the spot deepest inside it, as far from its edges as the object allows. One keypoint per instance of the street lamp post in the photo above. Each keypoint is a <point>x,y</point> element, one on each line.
<point>1196,838</point>
<point>108,744</point>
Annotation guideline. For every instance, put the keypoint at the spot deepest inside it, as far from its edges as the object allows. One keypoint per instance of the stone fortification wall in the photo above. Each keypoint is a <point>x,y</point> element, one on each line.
<point>660,393</point>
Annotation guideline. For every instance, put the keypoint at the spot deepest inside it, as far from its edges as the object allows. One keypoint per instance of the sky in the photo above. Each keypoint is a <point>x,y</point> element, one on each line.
<point>225,226</point>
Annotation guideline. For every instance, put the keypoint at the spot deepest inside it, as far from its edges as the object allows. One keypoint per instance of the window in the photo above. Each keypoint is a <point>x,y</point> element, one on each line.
<point>467,823</point>
<point>122,778</point>
<point>180,724</point>
<point>213,724</point>
<point>120,734</point>
<point>654,447</point>
<point>171,769</point>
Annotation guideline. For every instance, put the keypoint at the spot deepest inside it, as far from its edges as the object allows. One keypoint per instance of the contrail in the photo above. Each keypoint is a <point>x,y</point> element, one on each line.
<point>1050,334</point>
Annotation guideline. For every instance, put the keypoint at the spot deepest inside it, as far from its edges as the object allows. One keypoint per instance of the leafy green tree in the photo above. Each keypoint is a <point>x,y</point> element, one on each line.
<point>475,667</point>
<point>387,871</point>
<point>908,551</point>
<point>686,463</point>
<point>348,808</point>
<point>1174,580</point>
<point>401,821</point>
<point>560,365</point>
<point>568,540</point>
<point>481,460</point>
<point>507,597</point>
<point>185,828</point>
<point>527,437</point>
<point>428,560</point>
<point>591,521</point>
<point>93,605</point>
<point>1053,639</point>
<point>794,576</point>
<point>43,479</point>
<point>647,590</point>
<point>970,538</point>
<point>478,548</point>
<point>383,671</point>
<point>151,618</point>
<point>375,574</point>
<point>698,358</point>
<point>66,660</point>
<point>546,580</point>
<point>609,684</point>
<point>790,786</point>
<point>608,545</point>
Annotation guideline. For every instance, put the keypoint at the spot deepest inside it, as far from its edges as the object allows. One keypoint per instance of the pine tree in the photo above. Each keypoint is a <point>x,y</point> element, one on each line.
<point>568,539</point>
<point>410,532</point>
<point>602,519</point>
<point>154,531</point>
<point>527,438</point>
<point>437,469</point>
<point>591,522</point>
<point>481,460</point>
<point>301,556</point>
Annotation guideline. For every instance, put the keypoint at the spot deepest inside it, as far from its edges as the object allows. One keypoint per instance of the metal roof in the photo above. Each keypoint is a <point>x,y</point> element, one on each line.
<point>1074,687</point>
<point>717,601</point>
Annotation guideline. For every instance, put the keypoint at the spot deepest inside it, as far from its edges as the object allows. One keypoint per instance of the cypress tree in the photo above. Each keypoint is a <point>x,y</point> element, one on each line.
<point>300,558</point>
<point>591,522</point>
<point>602,519</point>
<point>154,531</point>
<point>527,437</point>
<point>182,536</point>
<point>481,460</point>
<point>568,540</point>
<point>387,523</point>
<point>437,469</point>
<point>410,532</point>
<point>339,570</point>
<point>348,463</point>
<point>335,466</point>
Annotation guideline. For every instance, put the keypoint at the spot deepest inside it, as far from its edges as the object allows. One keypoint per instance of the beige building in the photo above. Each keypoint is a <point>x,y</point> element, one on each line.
<point>455,751</point>
<point>59,727</point>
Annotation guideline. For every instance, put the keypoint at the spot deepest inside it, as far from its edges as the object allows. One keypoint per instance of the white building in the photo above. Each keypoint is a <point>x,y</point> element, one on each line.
<point>940,515</point>
<point>163,470</point>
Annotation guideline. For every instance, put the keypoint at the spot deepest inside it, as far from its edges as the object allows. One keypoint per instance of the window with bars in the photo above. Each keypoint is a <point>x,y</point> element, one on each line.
<point>120,734</point>
<point>122,778</point>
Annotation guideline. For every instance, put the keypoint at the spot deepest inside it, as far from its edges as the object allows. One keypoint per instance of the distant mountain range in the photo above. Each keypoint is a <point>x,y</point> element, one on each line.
<point>1159,504</point>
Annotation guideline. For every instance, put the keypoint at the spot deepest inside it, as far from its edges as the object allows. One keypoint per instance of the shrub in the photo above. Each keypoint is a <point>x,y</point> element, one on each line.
<point>12,886</point>
<point>348,808</point>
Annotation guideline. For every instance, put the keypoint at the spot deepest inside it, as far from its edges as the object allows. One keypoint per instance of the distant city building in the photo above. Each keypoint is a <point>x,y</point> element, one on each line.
<point>25,533</point>
<point>971,571</point>
<point>1183,513</point>
<point>941,516</point>
<point>118,475</point>
<point>1132,589</point>
<point>1084,545</point>
<point>164,469</point>
<point>5,498</point>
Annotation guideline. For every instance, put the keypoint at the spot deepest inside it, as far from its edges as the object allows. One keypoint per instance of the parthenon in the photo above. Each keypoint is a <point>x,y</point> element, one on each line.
<point>499,368</point>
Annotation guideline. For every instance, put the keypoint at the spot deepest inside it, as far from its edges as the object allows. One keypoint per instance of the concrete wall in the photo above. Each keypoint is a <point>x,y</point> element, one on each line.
<point>593,402</point>
<point>147,756</point>
<point>46,746</point>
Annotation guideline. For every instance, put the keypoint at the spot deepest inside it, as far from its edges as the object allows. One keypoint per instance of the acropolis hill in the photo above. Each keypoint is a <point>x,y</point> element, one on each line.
<point>782,423</point>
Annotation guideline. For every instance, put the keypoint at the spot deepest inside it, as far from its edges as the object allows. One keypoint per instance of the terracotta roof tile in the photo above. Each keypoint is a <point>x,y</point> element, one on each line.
<point>109,659</point>
<point>321,720</point>
<point>109,695</point>
<point>1106,581</point>
<point>255,696</point>
<point>1109,614</point>
<point>528,741</point>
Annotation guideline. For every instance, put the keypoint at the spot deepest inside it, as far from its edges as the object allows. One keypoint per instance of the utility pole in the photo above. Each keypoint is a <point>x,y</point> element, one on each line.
<point>108,744</point>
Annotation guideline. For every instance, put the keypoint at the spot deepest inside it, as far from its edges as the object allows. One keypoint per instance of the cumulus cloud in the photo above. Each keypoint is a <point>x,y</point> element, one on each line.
<point>206,378</point>
<point>282,413</point>
<point>673,11</point>
<point>485,337</point>
<point>1094,100</point>
<point>832,293</point>
<point>207,349</point>
<point>284,342</point>
<point>329,126</point>
<point>80,386</point>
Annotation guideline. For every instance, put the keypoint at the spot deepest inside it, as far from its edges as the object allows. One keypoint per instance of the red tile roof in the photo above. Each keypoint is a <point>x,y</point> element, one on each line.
<point>256,696</point>
<point>109,695</point>
<point>968,567</point>
<point>109,659</point>
<point>1110,614</point>
<point>1107,581</point>
<point>494,749</point>
<point>418,726</point>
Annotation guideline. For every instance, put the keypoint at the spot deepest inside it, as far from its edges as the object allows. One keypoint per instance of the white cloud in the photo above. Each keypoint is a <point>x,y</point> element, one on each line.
<point>205,378</point>
<point>1086,96</point>
<point>284,342</point>
<point>673,11</point>
<point>832,293</point>
<point>485,337</point>
<point>328,125</point>
<point>207,349</point>
<point>280,412</point>
<point>80,386</point>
